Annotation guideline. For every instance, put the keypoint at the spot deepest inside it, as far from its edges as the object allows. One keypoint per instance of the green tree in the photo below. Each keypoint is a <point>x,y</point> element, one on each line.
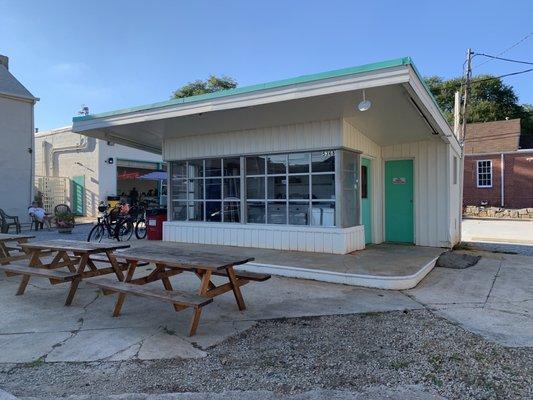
<point>490,99</point>
<point>210,85</point>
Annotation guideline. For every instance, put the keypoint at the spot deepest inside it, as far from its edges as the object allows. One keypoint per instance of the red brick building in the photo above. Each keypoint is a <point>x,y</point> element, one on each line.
<point>497,172</point>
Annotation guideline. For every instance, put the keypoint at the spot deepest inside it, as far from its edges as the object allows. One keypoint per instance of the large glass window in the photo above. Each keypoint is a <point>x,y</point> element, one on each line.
<point>294,189</point>
<point>206,190</point>
<point>283,188</point>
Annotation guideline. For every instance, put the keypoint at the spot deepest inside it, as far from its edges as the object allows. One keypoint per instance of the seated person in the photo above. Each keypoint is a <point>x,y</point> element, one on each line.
<point>40,214</point>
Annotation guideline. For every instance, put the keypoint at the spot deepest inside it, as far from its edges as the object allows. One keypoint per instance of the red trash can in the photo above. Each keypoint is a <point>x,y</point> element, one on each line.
<point>154,223</point>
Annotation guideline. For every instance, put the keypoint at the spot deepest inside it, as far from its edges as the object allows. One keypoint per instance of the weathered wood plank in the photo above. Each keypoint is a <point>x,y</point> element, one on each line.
<point>183,259</point>
<point>7,237</point>
<point>178,297</point>
<point>48,273</point>
<point>74,246</point>
<point>249,276</point>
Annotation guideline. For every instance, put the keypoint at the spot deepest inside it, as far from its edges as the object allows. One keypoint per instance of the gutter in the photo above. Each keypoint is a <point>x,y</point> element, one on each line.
<point>502,174</point>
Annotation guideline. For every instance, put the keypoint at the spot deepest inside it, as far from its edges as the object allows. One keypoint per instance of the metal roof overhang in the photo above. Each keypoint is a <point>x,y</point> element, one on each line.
<point>402,110</point>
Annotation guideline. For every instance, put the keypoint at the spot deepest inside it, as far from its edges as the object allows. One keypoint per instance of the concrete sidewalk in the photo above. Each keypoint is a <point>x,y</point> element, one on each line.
<point>493,299</point>
<point>497,231</point>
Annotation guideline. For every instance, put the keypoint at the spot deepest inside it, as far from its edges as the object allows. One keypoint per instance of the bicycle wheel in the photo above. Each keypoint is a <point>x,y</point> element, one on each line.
<point>140,229</point>
<point>124,230</point>
<point>96,234</point>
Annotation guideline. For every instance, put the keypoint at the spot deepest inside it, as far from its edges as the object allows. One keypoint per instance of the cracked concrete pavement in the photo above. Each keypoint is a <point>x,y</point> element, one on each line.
<point>493,299</point>
<point>36,327</point>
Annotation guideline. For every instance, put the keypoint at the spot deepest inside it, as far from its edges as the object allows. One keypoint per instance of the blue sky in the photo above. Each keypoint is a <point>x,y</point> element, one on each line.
<point>116,54</point>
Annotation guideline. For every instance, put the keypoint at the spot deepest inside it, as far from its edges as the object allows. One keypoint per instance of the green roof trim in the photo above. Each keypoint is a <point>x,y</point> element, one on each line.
<point>254,88</point>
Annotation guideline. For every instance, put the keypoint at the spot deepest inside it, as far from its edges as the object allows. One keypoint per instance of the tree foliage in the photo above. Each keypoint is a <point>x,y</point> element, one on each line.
<point>490,100</point>
<point>210,85</point>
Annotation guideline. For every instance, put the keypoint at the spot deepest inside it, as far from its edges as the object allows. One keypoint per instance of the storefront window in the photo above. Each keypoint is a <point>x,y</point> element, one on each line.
<point>294,189</point>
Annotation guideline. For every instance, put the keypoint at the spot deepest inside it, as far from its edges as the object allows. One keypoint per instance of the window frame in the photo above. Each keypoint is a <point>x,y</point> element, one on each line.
<point>244,201</point>
<point>481,174</point>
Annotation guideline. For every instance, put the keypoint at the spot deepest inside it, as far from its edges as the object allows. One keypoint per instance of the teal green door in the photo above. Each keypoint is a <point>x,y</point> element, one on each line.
<point>366,198</point>
<point>78,195</point>
<point>399,201</point>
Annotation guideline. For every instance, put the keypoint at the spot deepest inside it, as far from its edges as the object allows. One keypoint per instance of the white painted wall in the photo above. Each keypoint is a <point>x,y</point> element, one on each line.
<point>432,188</point>
<point>437,204</point>
<point>279,237</point>
<point>62,153</point>
<point>16,161</point>
<point>108,172</point>
<point>294,137</point>
<point>100,176</point>
<point>352,138</point>
<point>435,200</point>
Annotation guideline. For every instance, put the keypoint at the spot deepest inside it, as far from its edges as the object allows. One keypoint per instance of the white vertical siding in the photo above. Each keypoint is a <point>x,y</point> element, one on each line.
<point>280,237</point>
<point>354,139</point>
<point>456,205</point>
<point>437,200</point>
<point>432,188</point>
<point>304,136</point>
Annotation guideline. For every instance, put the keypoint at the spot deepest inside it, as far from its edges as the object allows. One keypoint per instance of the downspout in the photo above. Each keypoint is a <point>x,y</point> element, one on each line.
<point>82,146</point>
<point>502,197</point>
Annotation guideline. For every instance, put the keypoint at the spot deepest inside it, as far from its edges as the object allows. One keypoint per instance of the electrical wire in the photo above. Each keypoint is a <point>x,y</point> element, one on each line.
<point>504,59</point>
<point>509,48</point>
<point>502,76</point>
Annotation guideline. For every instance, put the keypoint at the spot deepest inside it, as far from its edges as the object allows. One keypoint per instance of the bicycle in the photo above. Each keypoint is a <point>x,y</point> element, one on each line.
<point>138,212</point>
<point>107,224</point>
<point>124,227</point>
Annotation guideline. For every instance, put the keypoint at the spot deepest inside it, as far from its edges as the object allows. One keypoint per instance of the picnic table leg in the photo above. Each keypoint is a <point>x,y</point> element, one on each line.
<point>122,296</point>
<point>114,264</point>
<point>166,283</point>
<point>195,321</point>
<point>4,253</point>
<point>72,291</point>
<point>23,283</point>
<point>236,289</point>
<point>204,287</point>
<point>76,281</point>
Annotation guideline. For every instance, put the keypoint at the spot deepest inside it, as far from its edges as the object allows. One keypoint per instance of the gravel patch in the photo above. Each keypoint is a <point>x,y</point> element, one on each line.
<point>350,353</point>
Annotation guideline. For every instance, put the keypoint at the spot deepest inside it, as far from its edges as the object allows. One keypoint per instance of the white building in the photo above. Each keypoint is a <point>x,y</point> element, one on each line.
<point>16,143</point>
<point>300,164</point>
<point>82,171</point>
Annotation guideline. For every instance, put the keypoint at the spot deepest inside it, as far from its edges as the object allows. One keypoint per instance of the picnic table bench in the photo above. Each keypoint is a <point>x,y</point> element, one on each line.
<point>12,243</point>
<point>171,261</point>
<point>75,255</point>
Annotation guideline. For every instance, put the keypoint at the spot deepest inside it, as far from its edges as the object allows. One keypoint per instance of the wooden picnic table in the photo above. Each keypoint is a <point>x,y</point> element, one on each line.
<point>75,255</point>
<point>173,261</point>
<point>9,243</point>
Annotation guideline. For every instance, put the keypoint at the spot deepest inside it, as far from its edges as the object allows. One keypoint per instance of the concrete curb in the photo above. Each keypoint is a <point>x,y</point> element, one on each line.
<point>6,396</point>
<point>371,281</point>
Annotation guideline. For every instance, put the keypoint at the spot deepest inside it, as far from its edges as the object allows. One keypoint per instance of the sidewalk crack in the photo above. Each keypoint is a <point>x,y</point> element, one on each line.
<point>493,283</point>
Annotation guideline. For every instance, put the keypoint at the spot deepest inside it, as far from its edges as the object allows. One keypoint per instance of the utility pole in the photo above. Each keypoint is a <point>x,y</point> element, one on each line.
<point>468,78</point>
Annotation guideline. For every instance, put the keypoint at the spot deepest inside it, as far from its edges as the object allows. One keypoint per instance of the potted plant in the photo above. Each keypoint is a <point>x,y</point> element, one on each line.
<point>64,222</point>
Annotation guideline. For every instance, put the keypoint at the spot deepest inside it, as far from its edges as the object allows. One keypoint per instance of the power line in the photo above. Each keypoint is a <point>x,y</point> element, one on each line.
<point>504,59</point>
<point>509,48</point>
<point>502,76</point>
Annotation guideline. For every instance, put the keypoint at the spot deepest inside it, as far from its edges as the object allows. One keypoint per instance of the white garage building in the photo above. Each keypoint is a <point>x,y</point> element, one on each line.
<point>81,171</point>
<point>303,164</point>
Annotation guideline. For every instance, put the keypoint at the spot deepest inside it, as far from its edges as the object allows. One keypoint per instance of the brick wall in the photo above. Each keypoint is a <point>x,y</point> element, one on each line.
<point>492,137</point>
<point>474,196</point>
<point>518,180</point>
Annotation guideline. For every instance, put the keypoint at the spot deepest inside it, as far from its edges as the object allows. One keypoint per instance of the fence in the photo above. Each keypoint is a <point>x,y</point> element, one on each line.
<point>54,191</point>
